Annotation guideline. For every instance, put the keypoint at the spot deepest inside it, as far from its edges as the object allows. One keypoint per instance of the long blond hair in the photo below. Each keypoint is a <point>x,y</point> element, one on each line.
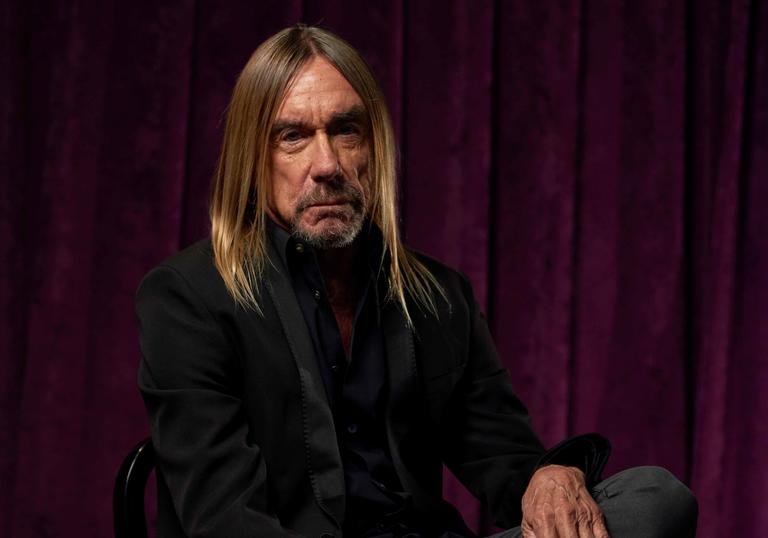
<point>240,189</point>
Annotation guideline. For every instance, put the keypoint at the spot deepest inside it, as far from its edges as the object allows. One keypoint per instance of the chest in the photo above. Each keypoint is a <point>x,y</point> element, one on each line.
<point>345,321</point>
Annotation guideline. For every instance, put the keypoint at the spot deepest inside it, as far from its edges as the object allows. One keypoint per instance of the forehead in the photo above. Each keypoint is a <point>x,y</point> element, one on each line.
<point>317,92</point>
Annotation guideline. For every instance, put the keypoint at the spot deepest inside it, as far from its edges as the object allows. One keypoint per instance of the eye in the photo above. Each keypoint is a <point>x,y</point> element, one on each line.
<point>347,129</point>
<point>291,135</point>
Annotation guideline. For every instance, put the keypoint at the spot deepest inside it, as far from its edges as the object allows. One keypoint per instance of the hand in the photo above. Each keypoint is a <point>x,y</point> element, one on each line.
<point>556,504</point>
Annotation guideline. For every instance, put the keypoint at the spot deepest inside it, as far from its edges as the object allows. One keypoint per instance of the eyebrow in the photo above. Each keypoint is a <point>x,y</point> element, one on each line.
<point>355,114</point>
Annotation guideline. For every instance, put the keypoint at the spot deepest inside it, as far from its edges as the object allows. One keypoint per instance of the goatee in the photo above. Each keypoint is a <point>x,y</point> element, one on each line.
<point>350,217</point>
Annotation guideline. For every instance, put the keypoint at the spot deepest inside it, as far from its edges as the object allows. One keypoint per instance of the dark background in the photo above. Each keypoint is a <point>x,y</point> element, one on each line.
<point>597,167</point>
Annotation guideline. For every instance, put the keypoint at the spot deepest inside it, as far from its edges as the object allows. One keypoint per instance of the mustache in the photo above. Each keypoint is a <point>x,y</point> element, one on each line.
<point>332,192</point>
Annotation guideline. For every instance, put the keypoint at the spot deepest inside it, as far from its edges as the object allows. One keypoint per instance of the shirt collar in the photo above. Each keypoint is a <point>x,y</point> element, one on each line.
<point>280,237</point>
<point>287,245</point>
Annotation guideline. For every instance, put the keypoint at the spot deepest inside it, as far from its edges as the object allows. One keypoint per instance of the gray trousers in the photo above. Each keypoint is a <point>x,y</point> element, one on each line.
<point>642,502</point>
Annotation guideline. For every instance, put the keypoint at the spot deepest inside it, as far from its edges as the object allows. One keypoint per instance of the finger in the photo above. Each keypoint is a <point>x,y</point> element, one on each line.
<point>599,529</point>
<point>542,525</point>
<point>565,520</point>
<point>527,531</point>
<point>585,528</point>
<point>593,517</point>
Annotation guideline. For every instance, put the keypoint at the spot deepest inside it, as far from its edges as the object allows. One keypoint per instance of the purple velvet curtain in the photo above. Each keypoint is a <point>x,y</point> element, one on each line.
<point>598,168</point>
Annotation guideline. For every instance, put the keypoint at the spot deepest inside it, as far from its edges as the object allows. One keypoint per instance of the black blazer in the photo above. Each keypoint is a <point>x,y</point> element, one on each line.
<point>245,441</point>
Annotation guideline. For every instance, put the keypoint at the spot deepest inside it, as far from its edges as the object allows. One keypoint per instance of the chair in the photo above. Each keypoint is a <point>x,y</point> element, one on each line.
<point>128,498</point>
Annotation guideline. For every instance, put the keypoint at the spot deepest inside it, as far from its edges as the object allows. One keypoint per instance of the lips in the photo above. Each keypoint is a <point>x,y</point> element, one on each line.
<point>328,203</point>
<point>331,197</point>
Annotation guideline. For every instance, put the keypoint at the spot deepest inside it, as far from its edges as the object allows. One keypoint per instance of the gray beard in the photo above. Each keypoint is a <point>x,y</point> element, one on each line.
<point>339,238</point>
<point>352,218</point>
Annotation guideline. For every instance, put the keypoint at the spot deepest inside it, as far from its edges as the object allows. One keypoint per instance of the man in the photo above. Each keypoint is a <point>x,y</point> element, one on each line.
<point>306,374</point>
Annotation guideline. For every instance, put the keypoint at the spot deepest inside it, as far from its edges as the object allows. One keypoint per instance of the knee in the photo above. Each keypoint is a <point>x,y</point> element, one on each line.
<point>669,504</point>
<point>671,492</point>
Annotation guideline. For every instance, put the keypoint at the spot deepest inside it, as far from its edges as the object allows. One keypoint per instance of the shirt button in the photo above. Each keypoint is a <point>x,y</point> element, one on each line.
<point>335,368</point>
<point>316,294</point>
<point>352,428</point>
<point>299,248</point>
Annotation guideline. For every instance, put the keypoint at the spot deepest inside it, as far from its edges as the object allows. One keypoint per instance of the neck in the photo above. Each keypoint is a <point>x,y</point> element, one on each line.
<point>341,273</point>
<point>340,270</point>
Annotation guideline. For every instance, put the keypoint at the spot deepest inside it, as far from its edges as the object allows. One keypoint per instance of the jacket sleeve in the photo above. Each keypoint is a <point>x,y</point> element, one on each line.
<point>588,452</point>
<point>188,378</point>
<point>491,447</point>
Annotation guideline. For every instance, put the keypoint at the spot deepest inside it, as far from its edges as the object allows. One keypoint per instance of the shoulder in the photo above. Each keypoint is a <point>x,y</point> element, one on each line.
<point>196,259</point>
<point>190,271</point>
<point>452,280</point>
<point>455,300</point>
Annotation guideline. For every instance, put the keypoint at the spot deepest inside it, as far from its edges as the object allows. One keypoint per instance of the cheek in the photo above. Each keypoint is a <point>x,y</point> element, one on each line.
<point>358,164</point>
<point>286,185</point>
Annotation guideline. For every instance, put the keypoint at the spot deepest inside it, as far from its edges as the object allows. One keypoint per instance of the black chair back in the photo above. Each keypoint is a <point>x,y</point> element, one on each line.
<point>128,498</point>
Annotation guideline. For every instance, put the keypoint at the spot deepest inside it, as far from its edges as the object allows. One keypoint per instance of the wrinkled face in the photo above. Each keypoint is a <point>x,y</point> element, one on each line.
<point>319,158</point>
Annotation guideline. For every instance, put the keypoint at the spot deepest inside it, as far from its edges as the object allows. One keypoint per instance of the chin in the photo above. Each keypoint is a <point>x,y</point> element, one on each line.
<point>330,233</point>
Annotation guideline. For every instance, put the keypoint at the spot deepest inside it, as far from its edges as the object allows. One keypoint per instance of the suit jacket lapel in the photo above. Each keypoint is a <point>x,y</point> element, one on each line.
<point>322,449</point>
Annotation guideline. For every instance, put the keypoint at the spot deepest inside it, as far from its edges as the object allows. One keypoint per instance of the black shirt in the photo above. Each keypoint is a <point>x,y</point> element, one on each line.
<point>356,388</point>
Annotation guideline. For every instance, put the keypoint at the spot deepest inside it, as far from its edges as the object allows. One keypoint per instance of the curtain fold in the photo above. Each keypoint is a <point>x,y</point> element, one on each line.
<point>597,169</point>
<point>728,101</point>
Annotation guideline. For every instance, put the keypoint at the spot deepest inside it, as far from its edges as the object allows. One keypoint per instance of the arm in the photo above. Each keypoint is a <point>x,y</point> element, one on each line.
<point>489,443</point>
<point>189,381</point>
<point>494,451</point>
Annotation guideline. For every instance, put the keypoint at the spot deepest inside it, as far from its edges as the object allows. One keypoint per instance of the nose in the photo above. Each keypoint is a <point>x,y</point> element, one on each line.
<point>325,162</point>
